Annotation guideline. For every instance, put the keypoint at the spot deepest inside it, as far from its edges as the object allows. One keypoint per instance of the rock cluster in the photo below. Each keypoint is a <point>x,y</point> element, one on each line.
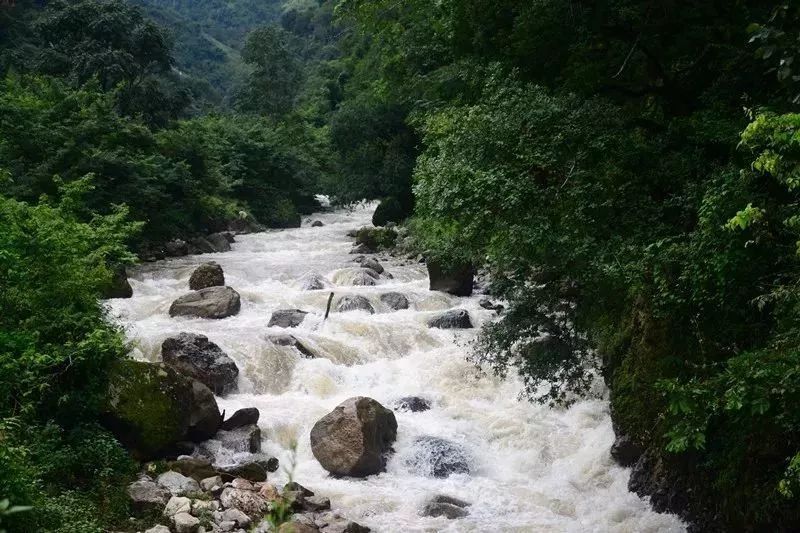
<point>188,505</point>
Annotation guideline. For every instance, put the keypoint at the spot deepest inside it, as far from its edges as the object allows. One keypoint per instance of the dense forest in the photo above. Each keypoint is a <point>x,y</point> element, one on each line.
<point>624,172</point>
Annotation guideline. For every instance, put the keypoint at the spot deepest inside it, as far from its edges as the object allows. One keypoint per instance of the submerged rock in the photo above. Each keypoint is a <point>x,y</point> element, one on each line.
<point>395,300</point>
<point>452,279</point>
<point>354,438</point>
<point>313,282</point>
<point>317,224</point>
<point>453,319</point>
<point>291,340</point>
<point>242,439</point>
<point>207,275</point>
<point>446,506</point>
<point>193,355</point>
<point>212,302</point>
<point>362,278</point>
<point>437,457</point>
<point>354,302</point>
<point>287,318</point>
<point>414,404</point>
<point>491,306</point>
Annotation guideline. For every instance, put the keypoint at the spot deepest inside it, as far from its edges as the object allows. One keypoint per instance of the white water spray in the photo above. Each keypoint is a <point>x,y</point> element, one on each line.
<point>534,469</point>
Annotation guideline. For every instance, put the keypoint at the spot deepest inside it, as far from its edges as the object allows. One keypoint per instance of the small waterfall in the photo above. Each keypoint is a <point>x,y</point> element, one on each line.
<point>531,468</point>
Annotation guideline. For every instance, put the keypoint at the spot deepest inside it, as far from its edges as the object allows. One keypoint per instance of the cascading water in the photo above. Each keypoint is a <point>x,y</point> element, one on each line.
<point>531,468</point>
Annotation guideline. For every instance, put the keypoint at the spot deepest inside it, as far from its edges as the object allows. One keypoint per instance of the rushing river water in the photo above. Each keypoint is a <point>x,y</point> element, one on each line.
<point>533,468</point>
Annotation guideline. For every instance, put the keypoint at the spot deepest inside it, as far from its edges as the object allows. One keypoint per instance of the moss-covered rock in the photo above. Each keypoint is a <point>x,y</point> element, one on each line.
<point>151,407</point>
<point>376,238</point>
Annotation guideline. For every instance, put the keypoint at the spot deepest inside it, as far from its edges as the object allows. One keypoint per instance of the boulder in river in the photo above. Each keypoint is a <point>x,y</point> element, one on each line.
<point>354,302</point>
<point>313,282</point>
<point>150,407</point>
<point>211,302</point>
<point>118,286</point>
<point>354,438</point>
<point>446,506</point>
<point>453,279</point>
<point>414,404</point>
<point>395,300</point>
<point>436,457</point>
<point>453,319</point>
<point>200,245</point>
<point>291,340</point>
<point>193,355</point>
<point>317,224</point>
<point>207,275</point>
<point>372,263</point>
<point>363,278</point>
<point>287,318</point>
<point>489,305</point>
<point>242,417</point>
<point>220,242</point>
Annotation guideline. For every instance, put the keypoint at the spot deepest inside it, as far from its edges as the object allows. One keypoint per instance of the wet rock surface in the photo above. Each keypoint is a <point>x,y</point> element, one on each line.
<point>212,302</point>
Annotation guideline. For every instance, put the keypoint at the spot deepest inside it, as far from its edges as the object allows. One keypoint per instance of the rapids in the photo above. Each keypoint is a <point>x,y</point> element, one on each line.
<point>533,468</point>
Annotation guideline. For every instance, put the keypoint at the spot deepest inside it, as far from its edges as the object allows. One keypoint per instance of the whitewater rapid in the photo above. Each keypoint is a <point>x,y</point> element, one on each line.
<point>534,469</point>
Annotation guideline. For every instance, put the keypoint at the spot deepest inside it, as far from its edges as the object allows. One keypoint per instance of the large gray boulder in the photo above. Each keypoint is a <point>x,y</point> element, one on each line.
<point>287,318</point>
<point>177,484</point>
<point>354,302</point>
<point>452,279</point>
<point>207,275</point>
<point>150,408</point>
<point>212,302</point>
<point>193,355</point>
<point>395,300</point>
<point>436,457</point>
<point>220,242</point>
<point>453,319</point>
<point>354,438</point>
<point>118,286</point>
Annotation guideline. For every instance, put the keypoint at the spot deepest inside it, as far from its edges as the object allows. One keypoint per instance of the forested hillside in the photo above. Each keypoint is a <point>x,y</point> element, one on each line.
<point>624,172</point>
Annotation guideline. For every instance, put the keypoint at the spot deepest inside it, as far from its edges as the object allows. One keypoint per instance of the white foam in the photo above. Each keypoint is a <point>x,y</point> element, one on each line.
<point>535,468</point>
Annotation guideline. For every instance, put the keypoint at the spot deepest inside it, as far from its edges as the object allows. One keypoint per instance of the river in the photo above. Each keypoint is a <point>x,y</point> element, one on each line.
<point>532,468</point>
